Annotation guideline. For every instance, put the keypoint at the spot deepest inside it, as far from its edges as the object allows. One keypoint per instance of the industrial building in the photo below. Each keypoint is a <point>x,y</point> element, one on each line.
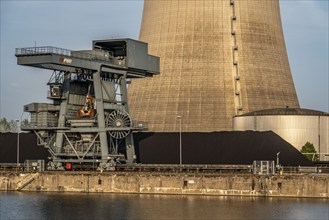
<point>296,126</point>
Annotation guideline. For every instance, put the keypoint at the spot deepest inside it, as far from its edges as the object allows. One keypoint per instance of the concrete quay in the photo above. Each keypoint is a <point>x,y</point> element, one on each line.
<point>288,185</point>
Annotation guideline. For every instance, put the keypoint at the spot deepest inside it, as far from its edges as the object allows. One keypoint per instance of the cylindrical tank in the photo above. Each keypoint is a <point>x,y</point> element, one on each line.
<point>219,59</point>
<point>296,126</point>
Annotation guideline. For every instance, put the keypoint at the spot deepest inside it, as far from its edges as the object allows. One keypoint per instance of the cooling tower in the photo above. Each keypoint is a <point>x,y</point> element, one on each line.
<point>219,59</point>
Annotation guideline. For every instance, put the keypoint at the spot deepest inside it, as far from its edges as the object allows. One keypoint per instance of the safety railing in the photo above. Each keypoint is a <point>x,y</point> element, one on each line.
<point>27,166</point>
<point>11,166</point>
<point>185,167</point>
<point>318,156</point>
<point>30,51</point>
<point>42,50</point>
<point>303,170</point>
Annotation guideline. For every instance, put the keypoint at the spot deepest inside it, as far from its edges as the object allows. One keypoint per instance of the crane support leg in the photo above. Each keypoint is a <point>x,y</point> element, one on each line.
<point>100,116</point>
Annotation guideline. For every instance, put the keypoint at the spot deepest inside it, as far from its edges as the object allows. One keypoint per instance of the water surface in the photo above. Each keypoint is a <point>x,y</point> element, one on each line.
<point>31,205</point>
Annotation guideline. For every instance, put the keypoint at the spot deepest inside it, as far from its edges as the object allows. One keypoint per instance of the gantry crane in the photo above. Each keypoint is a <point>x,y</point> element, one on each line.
<point>89,120</point>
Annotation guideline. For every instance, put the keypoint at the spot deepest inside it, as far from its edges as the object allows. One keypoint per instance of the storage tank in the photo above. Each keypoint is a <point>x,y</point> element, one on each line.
<point>297,126</point>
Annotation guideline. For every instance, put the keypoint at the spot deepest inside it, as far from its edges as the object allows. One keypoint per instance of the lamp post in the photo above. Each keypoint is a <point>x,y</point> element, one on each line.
<point>180,139</point>
<point>277,160</point>
<point>18,131</point>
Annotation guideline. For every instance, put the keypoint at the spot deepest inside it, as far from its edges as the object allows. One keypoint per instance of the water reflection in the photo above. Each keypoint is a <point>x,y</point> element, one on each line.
<point>23,205</point>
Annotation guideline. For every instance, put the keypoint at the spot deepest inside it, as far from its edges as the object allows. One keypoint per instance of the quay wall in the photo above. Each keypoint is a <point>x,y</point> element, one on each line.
<point>299,185</point>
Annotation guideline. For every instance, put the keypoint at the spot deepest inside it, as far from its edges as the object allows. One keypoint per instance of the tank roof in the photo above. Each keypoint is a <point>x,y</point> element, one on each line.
<point>286,111</point>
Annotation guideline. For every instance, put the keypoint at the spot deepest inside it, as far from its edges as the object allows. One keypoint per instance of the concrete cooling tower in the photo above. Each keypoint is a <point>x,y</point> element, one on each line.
<point>219,59</point>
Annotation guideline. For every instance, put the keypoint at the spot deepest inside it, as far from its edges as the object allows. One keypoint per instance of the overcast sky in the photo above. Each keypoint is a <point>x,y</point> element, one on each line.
<point>74,24</point>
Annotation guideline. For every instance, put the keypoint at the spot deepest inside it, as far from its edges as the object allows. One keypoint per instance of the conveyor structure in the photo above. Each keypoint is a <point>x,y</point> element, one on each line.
<point>88,121</point>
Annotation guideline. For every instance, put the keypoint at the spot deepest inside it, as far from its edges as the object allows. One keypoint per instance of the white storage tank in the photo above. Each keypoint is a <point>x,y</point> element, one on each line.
<point>297,126</point>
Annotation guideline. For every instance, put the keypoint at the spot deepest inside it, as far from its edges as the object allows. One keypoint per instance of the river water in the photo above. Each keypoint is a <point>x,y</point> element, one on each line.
<point>31,205</point>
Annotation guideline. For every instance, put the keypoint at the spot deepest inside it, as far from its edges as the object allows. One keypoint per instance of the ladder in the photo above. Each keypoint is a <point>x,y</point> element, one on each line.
<point>25,181</point>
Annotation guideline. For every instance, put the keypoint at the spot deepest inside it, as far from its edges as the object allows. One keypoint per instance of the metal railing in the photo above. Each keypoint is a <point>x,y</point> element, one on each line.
<point>303,170</point>
<point>27,166</point>
<point>185,167</point>
<point>42,50</point>
<point>319,156</point>
<point>29,126</point>
<point>11,166</point>
<point>34,165</point>
<point>38,165</point>
<point>61,51</point>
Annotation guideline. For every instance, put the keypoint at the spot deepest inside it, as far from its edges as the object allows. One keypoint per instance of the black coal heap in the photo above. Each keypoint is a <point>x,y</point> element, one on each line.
<point>227,147</point>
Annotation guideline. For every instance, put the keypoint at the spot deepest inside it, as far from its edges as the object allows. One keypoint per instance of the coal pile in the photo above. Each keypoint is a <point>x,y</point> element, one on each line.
<point>28,149</point>
<point>228,147</point>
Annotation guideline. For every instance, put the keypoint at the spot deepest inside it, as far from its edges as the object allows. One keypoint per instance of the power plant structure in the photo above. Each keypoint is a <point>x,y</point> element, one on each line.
<point>89,118</point>
<point>224,67</point>
<point>296,126</point>
<point>219,59</point>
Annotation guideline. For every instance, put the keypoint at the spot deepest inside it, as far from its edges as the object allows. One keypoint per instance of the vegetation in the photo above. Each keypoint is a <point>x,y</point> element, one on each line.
<point>309,152</point>
<point>8,126</point>
<point>12,125</point>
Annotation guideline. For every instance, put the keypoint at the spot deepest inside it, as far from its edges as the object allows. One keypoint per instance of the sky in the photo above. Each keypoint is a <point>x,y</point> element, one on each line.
<point>74,24</point>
